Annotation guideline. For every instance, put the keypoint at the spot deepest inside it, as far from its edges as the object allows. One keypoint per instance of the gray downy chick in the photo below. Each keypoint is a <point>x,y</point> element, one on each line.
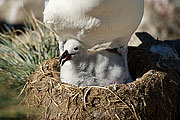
<point>82,68</point>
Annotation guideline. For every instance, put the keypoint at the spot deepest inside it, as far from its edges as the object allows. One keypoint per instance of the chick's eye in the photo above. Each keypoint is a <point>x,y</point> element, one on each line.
<point>76,48</point>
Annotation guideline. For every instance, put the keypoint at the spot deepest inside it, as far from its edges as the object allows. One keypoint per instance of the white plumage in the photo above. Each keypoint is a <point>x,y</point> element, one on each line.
<point>82,68</point>
<point>95,22</point>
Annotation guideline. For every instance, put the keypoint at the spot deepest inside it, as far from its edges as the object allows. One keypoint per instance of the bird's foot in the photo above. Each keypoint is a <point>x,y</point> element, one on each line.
<point>116,82</point>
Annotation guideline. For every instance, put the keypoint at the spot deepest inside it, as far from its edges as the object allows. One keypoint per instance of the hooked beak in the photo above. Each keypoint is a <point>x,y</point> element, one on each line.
<point>65,57</point>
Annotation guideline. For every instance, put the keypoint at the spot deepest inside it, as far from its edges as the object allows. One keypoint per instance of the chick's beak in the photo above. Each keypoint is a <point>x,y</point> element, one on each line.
<point>64,57</point>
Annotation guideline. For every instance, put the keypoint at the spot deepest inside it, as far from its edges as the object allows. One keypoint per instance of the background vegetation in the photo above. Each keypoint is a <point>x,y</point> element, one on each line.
<point>20,54</point>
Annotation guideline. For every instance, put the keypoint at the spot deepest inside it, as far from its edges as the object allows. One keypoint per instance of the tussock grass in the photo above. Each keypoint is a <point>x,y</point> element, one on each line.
<point>19,57</point>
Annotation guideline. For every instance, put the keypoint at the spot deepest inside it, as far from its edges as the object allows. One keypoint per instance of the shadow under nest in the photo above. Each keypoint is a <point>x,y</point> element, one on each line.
<point>154,95</point>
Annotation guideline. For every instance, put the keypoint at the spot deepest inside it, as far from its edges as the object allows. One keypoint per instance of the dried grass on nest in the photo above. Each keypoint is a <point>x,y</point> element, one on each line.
<point>155,95</point>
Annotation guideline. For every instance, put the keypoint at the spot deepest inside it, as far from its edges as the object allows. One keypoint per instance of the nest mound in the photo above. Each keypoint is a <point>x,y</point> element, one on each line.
<point>154,95</point>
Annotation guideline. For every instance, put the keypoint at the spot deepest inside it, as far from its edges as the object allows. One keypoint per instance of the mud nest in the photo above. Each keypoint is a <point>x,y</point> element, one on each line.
<point>154,95</point>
